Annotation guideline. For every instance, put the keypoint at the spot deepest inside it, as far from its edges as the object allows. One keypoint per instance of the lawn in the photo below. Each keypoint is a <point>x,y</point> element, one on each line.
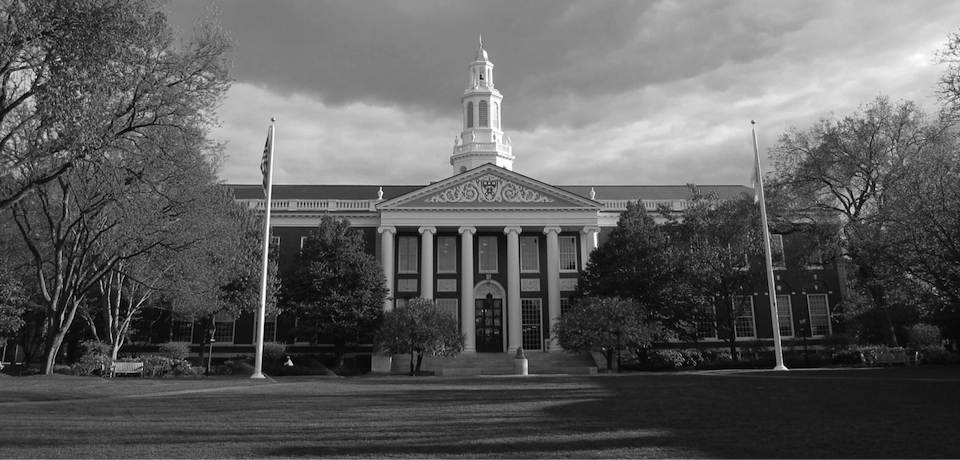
<point>906,413</point>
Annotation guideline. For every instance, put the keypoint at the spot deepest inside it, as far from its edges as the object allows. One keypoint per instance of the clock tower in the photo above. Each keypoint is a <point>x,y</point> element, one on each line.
<point>481,140</point>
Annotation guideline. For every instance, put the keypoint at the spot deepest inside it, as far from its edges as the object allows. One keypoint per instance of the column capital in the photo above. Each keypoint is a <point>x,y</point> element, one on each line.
<point>509,230</point>
<point>387,229</point>
<point>470,230</point>
<point>552,229</point>
<point>590,229</point>
<point>423,230</point>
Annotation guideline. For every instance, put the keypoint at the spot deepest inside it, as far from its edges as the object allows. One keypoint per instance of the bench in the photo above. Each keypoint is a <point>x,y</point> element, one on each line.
<point>889,357</point>
<point>121,367</point>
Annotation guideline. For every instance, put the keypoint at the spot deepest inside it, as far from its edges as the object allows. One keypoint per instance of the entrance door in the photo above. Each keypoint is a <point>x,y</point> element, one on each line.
<point>489,327</point>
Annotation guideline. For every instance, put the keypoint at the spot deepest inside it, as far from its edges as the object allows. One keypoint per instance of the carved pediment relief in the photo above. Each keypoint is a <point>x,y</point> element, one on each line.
<point>488,188</point>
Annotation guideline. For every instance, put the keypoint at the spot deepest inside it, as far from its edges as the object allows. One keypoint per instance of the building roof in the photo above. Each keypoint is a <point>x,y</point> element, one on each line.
<point>369,192</point>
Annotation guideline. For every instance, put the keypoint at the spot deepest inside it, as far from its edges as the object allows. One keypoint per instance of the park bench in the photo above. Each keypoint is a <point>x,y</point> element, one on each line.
<point>889,357</point>
<point>121,367</point>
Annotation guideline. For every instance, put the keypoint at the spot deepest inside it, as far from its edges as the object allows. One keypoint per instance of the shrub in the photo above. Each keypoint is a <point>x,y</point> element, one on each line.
<point>274,352</point>
<point>175,350</point>
<point>94,360</point>
<point>934,355</point>
<point>164,366</point>
<point>847,356</point>
<point>923,335</point>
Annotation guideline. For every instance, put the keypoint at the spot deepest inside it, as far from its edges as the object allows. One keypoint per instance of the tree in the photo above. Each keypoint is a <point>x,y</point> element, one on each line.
<point>86,126</point>
<point>852,170</point>
<point>80,80</point>
<point>926,223</point>
<point>337,289</point>
<point>639,262</point>
<point>720,238</point>
<point>607,324</point>
<point>13,302</point>
<point>419,328</point>
<point>950,80</point>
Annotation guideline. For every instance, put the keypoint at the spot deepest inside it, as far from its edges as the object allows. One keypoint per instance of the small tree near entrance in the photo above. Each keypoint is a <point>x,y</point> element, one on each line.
<point>419,328</point>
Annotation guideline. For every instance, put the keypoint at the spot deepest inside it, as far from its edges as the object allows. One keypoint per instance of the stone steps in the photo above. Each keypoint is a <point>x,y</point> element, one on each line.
<point>500,364</point>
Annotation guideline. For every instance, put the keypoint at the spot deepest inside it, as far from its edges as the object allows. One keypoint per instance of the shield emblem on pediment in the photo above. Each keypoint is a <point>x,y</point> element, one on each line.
<point>489,188</point>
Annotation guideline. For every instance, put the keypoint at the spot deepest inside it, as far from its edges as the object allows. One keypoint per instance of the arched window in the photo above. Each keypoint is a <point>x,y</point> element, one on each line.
<point>470,114</point>
<point>495,116</point>
<point>484,118</point>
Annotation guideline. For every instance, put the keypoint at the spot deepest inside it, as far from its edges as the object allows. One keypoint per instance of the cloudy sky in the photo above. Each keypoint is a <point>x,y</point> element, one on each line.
<point>595,92</point>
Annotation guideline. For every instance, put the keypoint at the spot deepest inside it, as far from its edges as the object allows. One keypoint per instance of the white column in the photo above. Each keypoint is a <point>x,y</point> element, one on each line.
<point>386,261</point>
<point>553,282</point>
<point>467,313</point>
<point>588,242</point>
<point>426,261</point>
<point>513,288</point>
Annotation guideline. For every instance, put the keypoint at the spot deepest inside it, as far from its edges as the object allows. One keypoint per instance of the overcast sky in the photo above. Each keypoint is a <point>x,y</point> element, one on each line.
<point>595,92</point>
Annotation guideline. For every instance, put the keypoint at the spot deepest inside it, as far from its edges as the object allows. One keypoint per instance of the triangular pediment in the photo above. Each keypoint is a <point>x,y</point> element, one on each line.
<point>489,187</point>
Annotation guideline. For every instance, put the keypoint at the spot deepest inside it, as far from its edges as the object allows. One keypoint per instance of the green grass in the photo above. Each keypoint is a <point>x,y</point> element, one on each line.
<point>906,413</point>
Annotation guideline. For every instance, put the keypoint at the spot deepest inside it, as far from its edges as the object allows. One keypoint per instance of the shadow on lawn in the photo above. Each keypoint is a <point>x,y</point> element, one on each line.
<point>800,414</point>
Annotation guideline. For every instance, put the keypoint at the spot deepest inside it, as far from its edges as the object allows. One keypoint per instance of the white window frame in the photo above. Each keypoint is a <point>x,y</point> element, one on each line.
<point>407,259</point>
<point>742,316</point>
<point>785,316</point>
<point>564,305</point>
<point>303,241</point>
<point>451,258</point>
<point>825,317</point>
<point>174,325</point>
<point>220,320</point>
<point>707,313</point>
<point>530,240</point>
<point>491,255</point>
<point>777,254</point>
<point>532,303</point>
<point>569,255</point>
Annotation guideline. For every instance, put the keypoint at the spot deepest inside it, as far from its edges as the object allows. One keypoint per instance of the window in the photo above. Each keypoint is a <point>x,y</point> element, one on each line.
<point>269,329</point>
<point>303,242</point>
<point>484,115</point>
<point>819,314</point>
<point>488,254</point>
<point>529,254</point>
<point>402,302</point>
<point>181,330</point>
<point>707,322</point>
<point>495,116</point>
<point>564,305</point>
<point>531,312</point>
<point>815,259</point>
<point>446,254</point>
<point>568,253</point>
<point>785,315</point>
<point>407,254</point>
<point>449,306</point>
<point>274,241</point>
<point>743,314</point>
<point>470,114</point>
<point>224,324</point>
<point>776,252</point>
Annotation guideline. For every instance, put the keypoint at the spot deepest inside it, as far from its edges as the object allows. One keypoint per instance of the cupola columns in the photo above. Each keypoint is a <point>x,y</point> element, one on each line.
<point>481,140</point>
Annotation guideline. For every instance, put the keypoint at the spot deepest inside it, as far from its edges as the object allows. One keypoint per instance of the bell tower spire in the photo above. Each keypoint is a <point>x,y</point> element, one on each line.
<point>481,140</point>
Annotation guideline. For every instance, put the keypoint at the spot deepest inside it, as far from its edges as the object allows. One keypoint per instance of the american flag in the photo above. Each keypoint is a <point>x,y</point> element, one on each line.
<point>265,161</point>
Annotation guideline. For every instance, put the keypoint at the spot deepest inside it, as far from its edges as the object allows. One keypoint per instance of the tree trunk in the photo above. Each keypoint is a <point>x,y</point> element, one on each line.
<point>52,348</point>
<point>412,368</point>
<point>419,362</point>
<point>608,354</point>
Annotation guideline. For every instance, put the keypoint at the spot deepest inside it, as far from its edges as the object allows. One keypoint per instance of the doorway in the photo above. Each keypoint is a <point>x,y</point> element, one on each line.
<point>489,324</point>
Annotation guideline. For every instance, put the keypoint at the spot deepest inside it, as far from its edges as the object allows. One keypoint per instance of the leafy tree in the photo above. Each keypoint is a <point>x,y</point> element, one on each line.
<point>639,262</point>
<point>852,170</point>
<point>82,80</point>
<point>720,238</point>
<point>609,325</point>
<point>419,328</point>
<point>337,289</point>
<point>13,302</point>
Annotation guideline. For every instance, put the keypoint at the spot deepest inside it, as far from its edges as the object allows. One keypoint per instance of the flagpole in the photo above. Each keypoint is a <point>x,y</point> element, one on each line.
<point>771,284</point>
<point>262,310</point>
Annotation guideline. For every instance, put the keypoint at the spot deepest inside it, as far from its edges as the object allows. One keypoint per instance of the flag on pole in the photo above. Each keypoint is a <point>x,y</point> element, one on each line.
<point>265,161</point>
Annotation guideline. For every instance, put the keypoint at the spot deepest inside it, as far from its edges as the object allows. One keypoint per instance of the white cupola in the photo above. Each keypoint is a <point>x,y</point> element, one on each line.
<point>481,140</point>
